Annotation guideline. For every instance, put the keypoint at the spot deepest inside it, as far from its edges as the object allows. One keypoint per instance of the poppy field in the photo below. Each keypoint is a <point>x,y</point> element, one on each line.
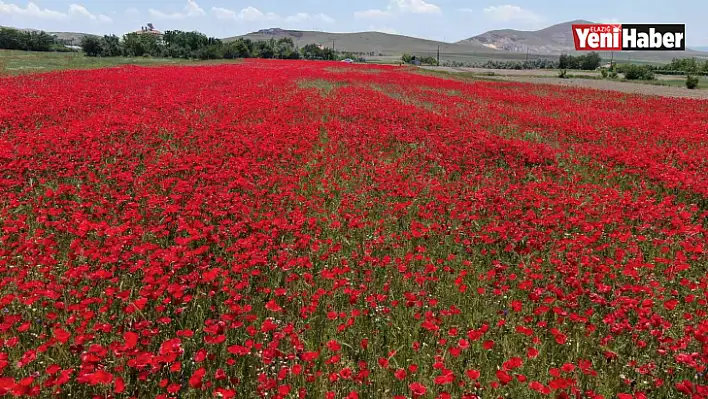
<point>279,229</point>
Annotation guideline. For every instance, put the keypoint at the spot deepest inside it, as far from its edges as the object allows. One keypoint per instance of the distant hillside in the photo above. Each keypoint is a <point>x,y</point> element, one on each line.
<point>365,42</point>
<point>558,39</point>
<point>68,36</point>
<point>555,39</point>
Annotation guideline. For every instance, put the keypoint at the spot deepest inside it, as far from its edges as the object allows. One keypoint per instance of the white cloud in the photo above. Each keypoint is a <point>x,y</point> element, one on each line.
<point>399,7</point>
<point>192,9</point>
<point>252,14</point>
<point>76,10</point>
<point>32,11</point>
<point>305,17</point>
<point>415,6</point>
<point>223,13</point>
<point>248,14</point>
<point>507,13</point>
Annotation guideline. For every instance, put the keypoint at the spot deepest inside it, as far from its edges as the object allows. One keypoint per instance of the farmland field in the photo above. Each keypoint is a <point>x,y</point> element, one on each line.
<point>309,229</point>
<point>15,62</point>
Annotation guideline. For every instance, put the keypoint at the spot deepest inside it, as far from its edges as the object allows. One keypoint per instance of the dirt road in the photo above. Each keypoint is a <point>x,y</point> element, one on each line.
<point>532,76</point>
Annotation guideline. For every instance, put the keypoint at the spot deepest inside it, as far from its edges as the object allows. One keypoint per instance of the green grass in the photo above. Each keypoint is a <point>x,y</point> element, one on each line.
<point>20,62</point>
<point>461,76</point>
<point>679,82</point>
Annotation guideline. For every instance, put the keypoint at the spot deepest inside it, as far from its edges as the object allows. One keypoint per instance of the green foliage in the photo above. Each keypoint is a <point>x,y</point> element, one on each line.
<point>691,81</point>
<point>13,39</point>
<point>173,44</point>
<point>239,48</point>
<point>636,72</point>
<point>688,65</point>
<point>135,45</point>
<point>590,62</point>
<point>563,74</point>
<point>683,66</point>
<point>428,61</point>
<point>407,58</point>
<point>314,52</point>
<point>285,49</point>
<point>92,46</point>
<point>111,46</point>
<point>604,72</point>
<point>541,63</point>
<point>587,62</point>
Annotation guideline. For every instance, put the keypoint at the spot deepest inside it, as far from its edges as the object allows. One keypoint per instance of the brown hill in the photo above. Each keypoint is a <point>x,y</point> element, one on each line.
<point>366,42</point>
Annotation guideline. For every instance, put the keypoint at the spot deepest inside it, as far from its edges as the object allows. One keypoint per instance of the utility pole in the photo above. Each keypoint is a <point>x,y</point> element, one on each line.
<point>438,55</point>
<point>527,53</point>
<point>333,46</point>
<point>612,59</point>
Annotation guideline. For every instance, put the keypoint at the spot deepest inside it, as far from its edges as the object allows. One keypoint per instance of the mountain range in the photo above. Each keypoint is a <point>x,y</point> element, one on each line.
<point>365,42</point>
<point>503,44</point>
<point>556,39</point>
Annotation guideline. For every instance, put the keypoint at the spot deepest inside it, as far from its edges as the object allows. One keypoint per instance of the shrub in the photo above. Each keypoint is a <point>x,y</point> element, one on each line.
<point>638,72</point>
<point>563,74</point>
<point>691,81</point>
<point>604,73</point>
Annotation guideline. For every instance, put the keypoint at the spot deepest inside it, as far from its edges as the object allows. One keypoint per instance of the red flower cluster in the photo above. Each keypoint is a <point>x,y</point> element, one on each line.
<point>305,229</point>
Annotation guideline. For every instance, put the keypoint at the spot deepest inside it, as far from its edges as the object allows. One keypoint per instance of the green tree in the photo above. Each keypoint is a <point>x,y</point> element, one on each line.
<point>590,62</point>
<point>111,46</point>
<point>13,39</point>
<point>92,46</point>
<point>239,48</point>
<point>136,45</point>
<point>566,61</point>
<point>691,81</point>
<point>285,49</point>
<point>39,41</point>
<point>637,72</point>
<point>264,49</point>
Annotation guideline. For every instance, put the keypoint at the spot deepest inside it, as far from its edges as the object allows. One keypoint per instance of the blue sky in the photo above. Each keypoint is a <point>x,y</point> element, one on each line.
<point>447,20</point>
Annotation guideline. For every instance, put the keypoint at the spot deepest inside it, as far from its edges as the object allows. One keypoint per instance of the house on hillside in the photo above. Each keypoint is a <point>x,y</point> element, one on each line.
<point>149,30</point>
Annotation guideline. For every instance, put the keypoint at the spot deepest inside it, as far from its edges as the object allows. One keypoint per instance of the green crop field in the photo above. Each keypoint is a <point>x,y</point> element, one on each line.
<point>14,62</point>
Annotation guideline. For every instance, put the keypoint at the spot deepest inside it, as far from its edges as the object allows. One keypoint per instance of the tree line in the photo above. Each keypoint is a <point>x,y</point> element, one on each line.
<point>13,39</point>
<point>196,45</point>
<point>171,44</point>
<point>587,62</point>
